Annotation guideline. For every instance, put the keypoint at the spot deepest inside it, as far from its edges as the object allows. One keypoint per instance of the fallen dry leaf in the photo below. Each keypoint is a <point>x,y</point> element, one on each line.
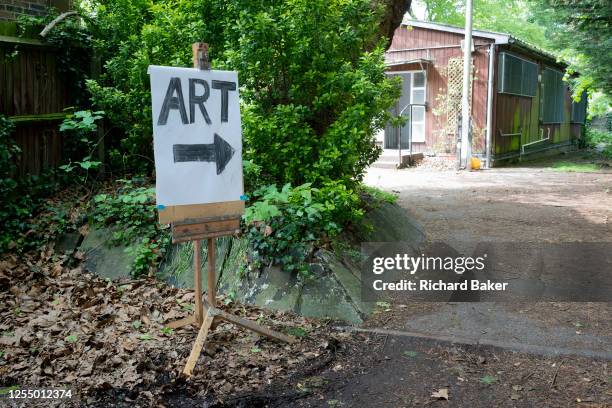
<point>441,394</point>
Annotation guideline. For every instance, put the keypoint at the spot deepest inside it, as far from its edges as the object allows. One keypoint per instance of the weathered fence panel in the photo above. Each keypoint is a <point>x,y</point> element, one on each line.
<point>33,93</point>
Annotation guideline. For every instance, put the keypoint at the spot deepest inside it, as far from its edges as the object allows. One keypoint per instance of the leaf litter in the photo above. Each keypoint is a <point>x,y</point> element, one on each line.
<point>109,341</point>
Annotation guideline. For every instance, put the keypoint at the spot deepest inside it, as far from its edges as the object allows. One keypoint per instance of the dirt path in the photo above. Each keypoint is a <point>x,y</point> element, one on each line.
<point>486,354</point>
<point>518,204</point>
<point>396,371</point>
<point>508,204</point>
<point>479,354</point>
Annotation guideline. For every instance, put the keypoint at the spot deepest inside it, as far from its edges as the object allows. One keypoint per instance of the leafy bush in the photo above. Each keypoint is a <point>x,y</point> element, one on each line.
<point>11,207</point>
<point>284,226</point>
<point>27,219</point>
<point>130,213</point>
<point>313,98</point>
<point>596,137</point>
<point>313,92</point>
<point>129,36</point>
<point>379,195</point>
<point>80,129</point>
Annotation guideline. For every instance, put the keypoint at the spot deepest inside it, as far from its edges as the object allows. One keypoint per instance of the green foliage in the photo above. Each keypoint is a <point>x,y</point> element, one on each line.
<point>514,17</point>
<point>296,331</point>
<point>488,379</point>
<point>28,221</point>
<point>582,33</point>
<point>572,167</point>
<point>379,195</point>
<point>598,139</point>
<point>130,213</point>
<point>599,104</point>
<point>11,208</point>
<point>284,226</point>
<point>313,98</point>
<point>252,175</point>
<point>80,131</point>
<point>128,37</point>
<point>84,122</point>
<point>145,337</point>
<point>8,152</point>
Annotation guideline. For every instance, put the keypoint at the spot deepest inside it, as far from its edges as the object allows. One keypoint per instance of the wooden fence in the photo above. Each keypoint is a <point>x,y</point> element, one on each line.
<point>33,93</point>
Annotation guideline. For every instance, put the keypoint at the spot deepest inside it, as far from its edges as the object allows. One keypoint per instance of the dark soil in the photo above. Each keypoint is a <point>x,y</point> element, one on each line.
<point>387,371</point>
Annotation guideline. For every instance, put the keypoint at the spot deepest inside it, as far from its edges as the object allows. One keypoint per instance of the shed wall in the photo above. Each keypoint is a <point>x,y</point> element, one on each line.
<point>438,139</point>
<point>518,120</point>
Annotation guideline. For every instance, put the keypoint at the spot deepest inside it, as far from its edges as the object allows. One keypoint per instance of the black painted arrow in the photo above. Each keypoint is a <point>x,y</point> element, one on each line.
<point>219,152</point>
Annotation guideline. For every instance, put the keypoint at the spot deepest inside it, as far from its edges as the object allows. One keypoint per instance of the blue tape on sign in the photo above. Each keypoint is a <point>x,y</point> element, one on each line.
<point>161,207</point>
<point>243,198</point>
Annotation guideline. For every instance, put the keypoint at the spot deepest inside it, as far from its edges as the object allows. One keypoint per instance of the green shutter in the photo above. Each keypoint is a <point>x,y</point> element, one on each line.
<point>553,96</point>
<point>579,109</point>
<point>530,79</point>
<point>517,76</point>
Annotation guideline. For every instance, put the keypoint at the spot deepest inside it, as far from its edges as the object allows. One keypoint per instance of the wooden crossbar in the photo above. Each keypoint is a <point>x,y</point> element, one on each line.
<point>212,316</point>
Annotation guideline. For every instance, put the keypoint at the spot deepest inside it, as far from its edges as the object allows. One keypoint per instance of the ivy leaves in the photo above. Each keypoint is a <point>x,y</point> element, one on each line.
<point>284,226</point>
<point>130,213</point>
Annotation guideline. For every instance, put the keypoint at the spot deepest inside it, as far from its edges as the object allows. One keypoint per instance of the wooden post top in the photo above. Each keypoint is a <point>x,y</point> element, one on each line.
<point>200,55</point>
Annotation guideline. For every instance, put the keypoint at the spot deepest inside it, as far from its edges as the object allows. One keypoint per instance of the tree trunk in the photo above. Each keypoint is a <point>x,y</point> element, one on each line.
<point>394,11</point>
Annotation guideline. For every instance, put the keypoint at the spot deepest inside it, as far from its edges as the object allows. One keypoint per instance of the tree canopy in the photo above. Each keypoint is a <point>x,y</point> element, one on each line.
<point>512,16</point>
<point>578,32</point>
<point>581,32</point>
<point>312,75</point>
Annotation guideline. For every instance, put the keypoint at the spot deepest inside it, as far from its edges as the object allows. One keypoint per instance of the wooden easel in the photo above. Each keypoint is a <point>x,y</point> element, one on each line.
<point>207,315</point>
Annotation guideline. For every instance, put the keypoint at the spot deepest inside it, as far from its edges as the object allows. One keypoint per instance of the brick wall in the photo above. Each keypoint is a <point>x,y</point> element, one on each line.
<point>11,9</point>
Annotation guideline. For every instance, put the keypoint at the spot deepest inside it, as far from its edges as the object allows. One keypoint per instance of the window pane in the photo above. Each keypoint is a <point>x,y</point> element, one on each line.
<point>515,75</point>
<point>418,96</point>
<point>419,79</point>
<point>418,133</point>
<point>418,114</point>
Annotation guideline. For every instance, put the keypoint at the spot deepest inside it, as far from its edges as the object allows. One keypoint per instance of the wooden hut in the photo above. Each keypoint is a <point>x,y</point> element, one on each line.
<point>520,104</point>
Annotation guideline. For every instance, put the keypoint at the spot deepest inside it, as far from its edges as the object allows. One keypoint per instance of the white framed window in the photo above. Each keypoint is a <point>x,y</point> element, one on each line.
<point>417,96</point>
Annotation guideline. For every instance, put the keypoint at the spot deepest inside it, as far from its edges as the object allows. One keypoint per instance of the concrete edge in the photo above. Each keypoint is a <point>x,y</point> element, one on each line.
<point>473,341</point>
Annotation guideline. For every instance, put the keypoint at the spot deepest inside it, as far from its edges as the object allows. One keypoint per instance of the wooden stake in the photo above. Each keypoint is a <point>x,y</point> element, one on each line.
<point>199,343</point>
<point>212,318</point>
<point>212,281</point>
<point>197,276</point>
<point>200,55</point>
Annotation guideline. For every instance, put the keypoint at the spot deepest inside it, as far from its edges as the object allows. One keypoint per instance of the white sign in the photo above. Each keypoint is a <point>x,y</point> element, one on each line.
<point>197,137</point>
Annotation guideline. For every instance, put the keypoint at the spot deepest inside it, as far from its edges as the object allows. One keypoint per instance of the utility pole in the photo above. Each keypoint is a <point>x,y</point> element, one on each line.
<point>466,142</point>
